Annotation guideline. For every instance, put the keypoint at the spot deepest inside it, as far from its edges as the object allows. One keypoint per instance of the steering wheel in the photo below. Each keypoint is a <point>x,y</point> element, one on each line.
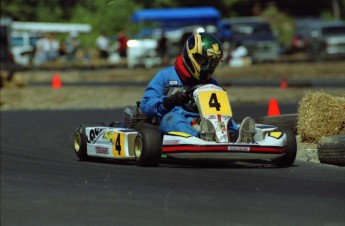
<point>191,105</point>
<point>190,90</point>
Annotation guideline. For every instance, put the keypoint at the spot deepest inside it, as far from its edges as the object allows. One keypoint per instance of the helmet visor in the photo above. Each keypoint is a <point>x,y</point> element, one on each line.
<point>206,62</point>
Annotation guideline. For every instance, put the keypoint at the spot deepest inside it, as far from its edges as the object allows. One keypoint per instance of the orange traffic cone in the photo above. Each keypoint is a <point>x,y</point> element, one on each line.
<point>283,84</point>
<point>273,108</point>
<point>56,82</point>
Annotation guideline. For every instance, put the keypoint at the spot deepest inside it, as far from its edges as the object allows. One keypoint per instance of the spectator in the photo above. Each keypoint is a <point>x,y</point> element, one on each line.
<point>102,44</point>
<point>40,54</point>
<point>47,48</point>
<point>239,56</point>
<point>86,56</point>
<point>122,44</point>
<point>162,49</point>
<point>53,47</point>
<point>71,46</point>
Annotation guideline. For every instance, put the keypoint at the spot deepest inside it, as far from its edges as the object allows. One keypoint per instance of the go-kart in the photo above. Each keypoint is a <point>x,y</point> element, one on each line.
<point>138,138</point>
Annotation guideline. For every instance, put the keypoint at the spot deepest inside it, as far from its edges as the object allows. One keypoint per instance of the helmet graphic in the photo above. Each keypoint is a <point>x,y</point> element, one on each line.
<point>201,54</point>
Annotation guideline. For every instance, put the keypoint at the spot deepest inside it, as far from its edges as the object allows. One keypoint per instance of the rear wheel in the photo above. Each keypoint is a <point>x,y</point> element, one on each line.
<point>148,147</point>
<point>80,141</point>
<point>289,157</point>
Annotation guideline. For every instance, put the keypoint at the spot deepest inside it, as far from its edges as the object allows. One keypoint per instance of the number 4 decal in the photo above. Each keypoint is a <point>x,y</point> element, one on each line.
<point>118,144</point>
<point>213,102</point>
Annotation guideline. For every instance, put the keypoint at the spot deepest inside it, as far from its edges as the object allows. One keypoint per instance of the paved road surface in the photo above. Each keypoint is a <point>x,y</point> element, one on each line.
<point>43,183</point>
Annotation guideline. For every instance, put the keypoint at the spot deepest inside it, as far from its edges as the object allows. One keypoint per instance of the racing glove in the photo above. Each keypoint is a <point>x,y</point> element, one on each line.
<point>176,99</point>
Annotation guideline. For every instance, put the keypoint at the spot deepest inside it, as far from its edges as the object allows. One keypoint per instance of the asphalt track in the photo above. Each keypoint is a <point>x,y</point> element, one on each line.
<point>43,183</point>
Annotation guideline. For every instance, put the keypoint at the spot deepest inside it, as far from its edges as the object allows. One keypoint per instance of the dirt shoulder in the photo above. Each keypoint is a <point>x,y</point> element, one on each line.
<point>22,94</point>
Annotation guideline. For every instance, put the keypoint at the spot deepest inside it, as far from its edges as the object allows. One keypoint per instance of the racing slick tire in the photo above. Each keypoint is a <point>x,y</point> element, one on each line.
<point>331,150</point>
<point>291,150</point>
<point>148,147</point>
<point>80,141</point>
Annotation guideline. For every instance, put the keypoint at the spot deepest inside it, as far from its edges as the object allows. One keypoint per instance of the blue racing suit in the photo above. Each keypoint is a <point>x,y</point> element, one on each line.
<point>177,119</point>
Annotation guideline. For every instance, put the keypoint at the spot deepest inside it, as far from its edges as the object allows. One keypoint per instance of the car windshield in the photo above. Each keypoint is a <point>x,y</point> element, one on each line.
<point>336,30</point>
<point>252,31</point>
<point>17,41</point>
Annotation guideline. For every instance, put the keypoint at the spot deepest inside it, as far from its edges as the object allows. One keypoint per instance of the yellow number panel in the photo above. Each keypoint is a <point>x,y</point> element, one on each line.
<point>118,144</point>
<point>214,103</point>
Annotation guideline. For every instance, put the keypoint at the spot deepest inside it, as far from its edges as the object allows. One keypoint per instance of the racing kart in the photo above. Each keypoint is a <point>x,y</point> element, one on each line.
<point>139,139</point>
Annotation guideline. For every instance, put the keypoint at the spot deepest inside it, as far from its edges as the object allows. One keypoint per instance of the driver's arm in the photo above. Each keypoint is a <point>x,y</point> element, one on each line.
<point>152,101</point>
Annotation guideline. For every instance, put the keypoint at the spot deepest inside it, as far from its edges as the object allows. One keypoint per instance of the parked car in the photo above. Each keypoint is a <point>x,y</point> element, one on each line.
<point>326,40</point>
<point>299,42</point>
<point>256,35</point>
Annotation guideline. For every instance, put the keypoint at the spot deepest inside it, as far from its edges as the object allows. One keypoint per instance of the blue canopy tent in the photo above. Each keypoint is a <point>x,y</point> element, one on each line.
<point>171,17</point>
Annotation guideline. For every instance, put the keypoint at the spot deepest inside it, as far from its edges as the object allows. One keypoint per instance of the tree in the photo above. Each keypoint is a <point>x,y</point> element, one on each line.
<point>30,10</point>
<point>282,24</point>
<point>112,16</point>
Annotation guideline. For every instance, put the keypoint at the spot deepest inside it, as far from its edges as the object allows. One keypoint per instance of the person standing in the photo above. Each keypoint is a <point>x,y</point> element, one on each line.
<point>47,49</point>
<point>162,49</point>
<point>122,38</point>
<point>71,46</point>
<point>239,56</point>
<point>53,49</point>
<point>102,44</point>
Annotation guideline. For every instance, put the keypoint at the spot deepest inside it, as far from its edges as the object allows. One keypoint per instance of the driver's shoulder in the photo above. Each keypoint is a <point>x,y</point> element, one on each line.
<point>167,70</point>
<point>166,73</point>
<point>170,76</point>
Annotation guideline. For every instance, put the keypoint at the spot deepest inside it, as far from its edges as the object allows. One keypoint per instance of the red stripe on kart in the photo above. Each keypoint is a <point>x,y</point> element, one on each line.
<point>193,148</point>
<point>267,149</point>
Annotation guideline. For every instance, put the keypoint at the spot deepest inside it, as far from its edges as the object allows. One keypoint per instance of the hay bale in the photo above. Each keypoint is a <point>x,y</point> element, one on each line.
<point>319,115</point>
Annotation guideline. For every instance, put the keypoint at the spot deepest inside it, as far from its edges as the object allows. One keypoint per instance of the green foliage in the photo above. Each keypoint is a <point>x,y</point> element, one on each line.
<point>327,15</point>
<point>48,12</point>
<point>282,25</point>
<point>115,16</point>
<point>17,10</point>
<point>227,8</point>
<point>156,3</point>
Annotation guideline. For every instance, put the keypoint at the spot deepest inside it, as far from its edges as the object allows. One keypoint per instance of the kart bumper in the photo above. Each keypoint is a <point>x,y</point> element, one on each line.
<point>195,148</point>
<point>236,152</point>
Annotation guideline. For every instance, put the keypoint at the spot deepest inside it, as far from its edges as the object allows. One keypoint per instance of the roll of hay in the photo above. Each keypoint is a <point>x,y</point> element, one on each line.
<point>319,115</point>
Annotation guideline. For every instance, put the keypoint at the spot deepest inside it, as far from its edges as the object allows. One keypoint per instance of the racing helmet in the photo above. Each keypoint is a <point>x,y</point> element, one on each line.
<point>201,54</point>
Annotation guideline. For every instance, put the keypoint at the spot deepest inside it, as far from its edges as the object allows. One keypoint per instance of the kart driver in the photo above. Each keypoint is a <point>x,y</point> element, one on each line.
<point>165,96</point>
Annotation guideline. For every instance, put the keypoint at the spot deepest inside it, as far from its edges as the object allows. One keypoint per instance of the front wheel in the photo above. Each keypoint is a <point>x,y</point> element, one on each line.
<point>80,141</point>
<point>291,150</point>
<point>148,147</point>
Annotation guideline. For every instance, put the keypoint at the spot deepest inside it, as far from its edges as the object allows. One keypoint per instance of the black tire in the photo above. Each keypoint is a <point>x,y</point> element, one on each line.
<point>80,141</point>
<point>289,158</point>
<point>148,147</point>
<point>331,150</point>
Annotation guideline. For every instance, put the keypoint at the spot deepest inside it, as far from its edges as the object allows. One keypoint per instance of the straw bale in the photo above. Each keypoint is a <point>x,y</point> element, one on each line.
<point>320,114</point>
